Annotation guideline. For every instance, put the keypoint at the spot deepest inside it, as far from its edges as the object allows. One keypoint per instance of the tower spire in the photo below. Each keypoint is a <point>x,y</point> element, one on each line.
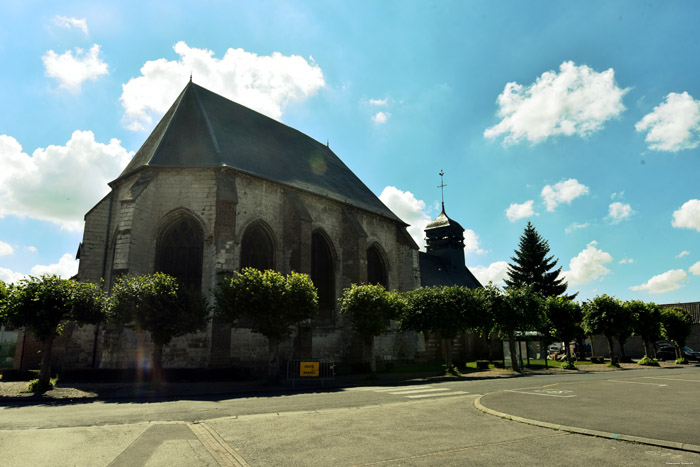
<point>442,189</point>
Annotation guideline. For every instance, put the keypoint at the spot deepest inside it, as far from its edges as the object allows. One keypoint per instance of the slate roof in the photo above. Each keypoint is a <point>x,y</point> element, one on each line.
<point>433,271</point>
<point>204,129</point>
<point>443,221</point>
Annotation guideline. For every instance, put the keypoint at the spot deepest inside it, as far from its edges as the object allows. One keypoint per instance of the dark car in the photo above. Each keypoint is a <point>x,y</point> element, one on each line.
<point>666,352</point>
<point>691,354</point>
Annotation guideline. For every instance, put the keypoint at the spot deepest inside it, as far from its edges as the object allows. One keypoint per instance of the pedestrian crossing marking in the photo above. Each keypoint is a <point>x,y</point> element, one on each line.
<point>441,394</point>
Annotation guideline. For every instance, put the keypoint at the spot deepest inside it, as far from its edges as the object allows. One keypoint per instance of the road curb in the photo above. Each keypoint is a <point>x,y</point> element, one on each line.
<point>585,431</point>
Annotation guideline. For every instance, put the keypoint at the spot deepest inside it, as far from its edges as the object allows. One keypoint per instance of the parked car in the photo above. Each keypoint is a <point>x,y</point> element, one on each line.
<point>691,354</point>
<point>667,351</point>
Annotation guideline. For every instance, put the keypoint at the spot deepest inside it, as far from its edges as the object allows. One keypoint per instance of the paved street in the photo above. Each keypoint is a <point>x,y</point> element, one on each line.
<point>409,424</point>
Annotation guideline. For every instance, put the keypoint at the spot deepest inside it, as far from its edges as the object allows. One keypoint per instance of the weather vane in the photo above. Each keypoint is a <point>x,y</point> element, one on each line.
<point>442,189</point>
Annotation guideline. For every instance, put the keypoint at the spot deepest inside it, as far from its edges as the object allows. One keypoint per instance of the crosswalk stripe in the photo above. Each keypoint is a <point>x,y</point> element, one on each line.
<point>414,391</point>
<point>441,394</point>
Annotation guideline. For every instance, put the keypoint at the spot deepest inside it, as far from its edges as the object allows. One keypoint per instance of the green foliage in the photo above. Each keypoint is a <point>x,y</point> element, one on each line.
<point>42,304</point>
<point>370,308</point>
<point>605,315</point>
<point>646,361</point>
<point>647,321</point>
<point>39,386</point>
<point>446,310</point>
<point>532,267</point>
<point>268,300</point>
<point>564,316</point>
<point>676,325</point>
<point>158,304</point>
<point>568,365</point>
<point>3,299</point>
<point>682,361</point>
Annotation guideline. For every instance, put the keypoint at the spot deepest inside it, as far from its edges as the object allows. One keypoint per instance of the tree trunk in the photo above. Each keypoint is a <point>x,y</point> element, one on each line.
<point>157,376</point>
<point>545,346</point>
<point>490,347</point>
<point>45,372</point>
<point>611,348</point>
<point>448,353</point>
<point>273,366</point>
<point>568,353</point>
<point>646,348</point>
<point>513,354</point>
<point>622,347</point>
<point>372,358</point>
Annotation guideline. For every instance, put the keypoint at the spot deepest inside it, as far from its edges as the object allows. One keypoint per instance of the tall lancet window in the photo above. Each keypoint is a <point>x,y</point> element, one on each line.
<point>257,248</point>
<point>179,252</point>
<point>323,275</point>
<point>376,267</point>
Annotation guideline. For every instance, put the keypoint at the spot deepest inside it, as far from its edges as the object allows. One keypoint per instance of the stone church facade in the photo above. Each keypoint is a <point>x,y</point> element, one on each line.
<point>218,187</point>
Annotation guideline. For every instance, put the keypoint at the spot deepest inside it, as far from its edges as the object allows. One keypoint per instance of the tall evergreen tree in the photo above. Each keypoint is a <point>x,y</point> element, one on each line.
<point>532,267</point>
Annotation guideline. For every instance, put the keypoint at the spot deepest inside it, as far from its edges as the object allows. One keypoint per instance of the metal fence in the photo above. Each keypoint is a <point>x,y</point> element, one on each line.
<point>310,371</point>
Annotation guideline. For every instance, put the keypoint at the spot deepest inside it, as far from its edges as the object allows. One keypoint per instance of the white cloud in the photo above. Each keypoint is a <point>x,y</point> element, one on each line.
<point>264,83</point>
<point>9,276</point>
<point>562,192</point>
<point>574,226</point>
<point>520,211</point>
<point>682,254</point>
<point>674,125</point>
<point>66,267</point>
<point>59,183</point>
<point>575,101</point>
<point>6,249</point>
<point>626,261</point>
<point>695,269</point>
<point>378,102</point>
<point>71,71</point>
<point>666,282</point>
<point>688,215</point>
<point>32,249</point>
<point>471,242</point>
<point>588,266</point>
<point>67,22</point>
<point>495,272</point>
<point>617,212</point>
<point>381,117</point>
<point>409,209</point>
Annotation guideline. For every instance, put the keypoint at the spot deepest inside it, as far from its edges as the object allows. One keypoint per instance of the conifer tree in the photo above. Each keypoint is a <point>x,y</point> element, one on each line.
<point>532,267</point>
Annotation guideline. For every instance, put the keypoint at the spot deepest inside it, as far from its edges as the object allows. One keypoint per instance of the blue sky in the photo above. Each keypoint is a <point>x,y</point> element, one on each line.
<point>583,117</point>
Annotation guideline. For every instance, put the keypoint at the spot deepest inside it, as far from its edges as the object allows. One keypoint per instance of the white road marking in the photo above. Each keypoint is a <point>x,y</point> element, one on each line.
<point>539,393</point>
<point>414,391</point>
<point>673,379</point>
<point>452,393</point>
<point>636,382</point>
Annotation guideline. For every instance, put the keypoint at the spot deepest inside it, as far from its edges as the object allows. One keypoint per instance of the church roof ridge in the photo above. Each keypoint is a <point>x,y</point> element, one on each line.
<point>205,129</point>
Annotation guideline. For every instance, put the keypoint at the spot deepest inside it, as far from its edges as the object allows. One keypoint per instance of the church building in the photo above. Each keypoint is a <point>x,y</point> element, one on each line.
<point>218,187</point>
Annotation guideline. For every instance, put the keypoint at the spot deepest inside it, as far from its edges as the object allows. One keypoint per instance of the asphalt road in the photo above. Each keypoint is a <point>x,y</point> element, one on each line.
<point>419,424</point>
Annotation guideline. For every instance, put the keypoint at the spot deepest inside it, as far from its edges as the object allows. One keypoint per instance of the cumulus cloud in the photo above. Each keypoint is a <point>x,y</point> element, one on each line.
<point>69,23</point>
<point>66,267</point>
<point>588,265</point>
<point>495,272</point>
<point>688,215</point>
<point>673,125</point>
<point>575,101</point>
<point>9,276</point>
<point>575,226</point>
<point>617,212</point>
<point>71,71</point>
<point>59,183</point>
<point>519,211</point>
<point>381,117</point>
<point>264,83</point>
<point>562,192</point>
<point>682,254</point>
<point>6,249</point>
<point>666,282</point>
<point>471,243</point>
<point>378,102</point>
<point>626,261</point>
<point>695,269</point>
<point>409,209</point>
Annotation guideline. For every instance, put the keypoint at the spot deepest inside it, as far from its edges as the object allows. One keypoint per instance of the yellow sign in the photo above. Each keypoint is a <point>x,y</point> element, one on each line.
<point>308,369</point>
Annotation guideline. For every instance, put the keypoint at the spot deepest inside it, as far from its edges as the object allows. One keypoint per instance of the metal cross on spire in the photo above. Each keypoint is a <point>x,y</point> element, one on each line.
<point>442,189</point>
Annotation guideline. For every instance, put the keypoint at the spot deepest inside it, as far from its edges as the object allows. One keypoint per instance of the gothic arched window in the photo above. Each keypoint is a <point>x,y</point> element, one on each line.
<point>376,267</point>
<point>257,248</point>
<point>323,275</point>
<point>179,252</point>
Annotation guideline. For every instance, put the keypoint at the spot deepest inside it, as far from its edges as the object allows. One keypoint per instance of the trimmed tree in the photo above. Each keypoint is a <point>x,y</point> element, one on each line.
<point>516,310</point>
<point>445,310</point>
<point>677,324</point>
<point>158,304</point>
<point>647,323</point>
<point>564,317</point>
<point>532,267</point>
<point>604,315</point>
<point>270,303</point>
<point>43,305</point>
<point>370,309</point>
<point>3,300</point>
